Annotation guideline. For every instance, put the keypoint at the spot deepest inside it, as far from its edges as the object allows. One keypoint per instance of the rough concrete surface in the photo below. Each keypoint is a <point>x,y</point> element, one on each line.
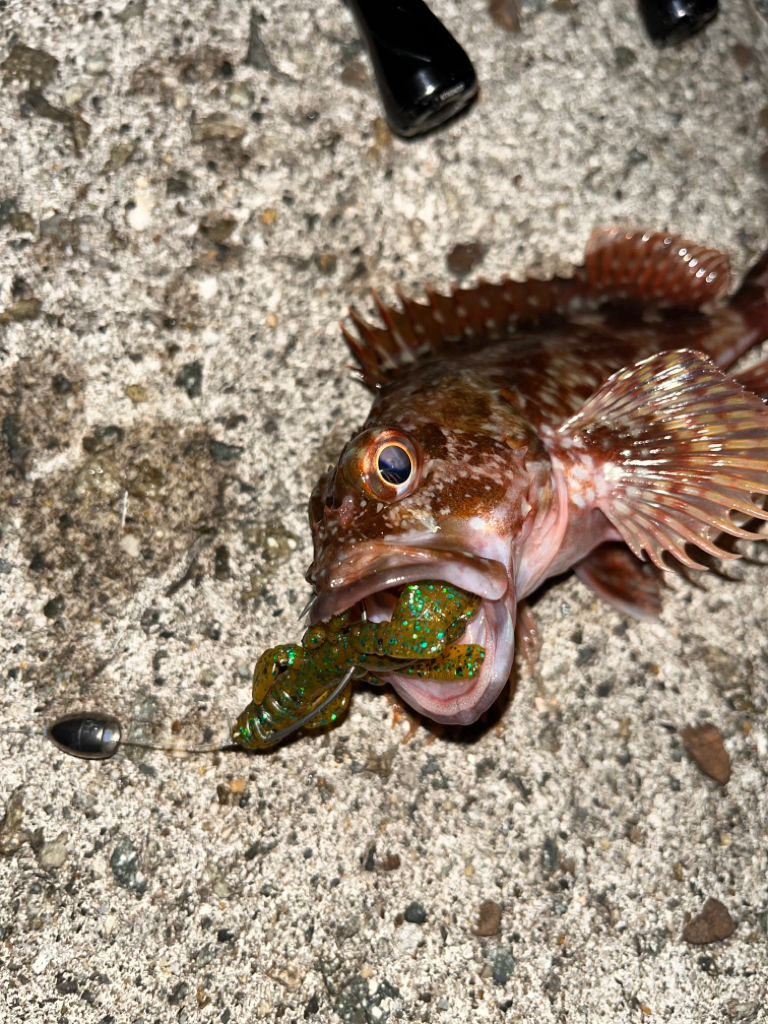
<point>180,232</point>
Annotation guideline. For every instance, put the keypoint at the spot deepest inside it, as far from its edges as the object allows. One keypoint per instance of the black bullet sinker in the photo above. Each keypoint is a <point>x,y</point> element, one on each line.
<point>423,75</point>
<point>93,735</point>
<point>671,21</point>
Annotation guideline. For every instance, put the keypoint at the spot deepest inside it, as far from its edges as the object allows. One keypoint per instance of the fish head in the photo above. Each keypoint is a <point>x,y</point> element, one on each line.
<point>442,483</point>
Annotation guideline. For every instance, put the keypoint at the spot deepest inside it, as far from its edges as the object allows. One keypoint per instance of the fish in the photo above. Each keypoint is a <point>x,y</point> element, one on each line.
<point>522,429</point>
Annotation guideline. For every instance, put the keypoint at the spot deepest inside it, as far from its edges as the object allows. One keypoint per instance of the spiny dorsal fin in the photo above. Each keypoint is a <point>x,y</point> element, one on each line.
<point>621,265</point>
<point>656,268</point>
<point>474,317</point>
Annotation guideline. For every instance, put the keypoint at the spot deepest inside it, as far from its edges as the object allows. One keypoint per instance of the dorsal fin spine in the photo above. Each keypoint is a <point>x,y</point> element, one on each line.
<point>620,264</point>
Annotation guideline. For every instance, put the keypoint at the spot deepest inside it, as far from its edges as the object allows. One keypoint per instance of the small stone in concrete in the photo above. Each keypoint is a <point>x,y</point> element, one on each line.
<point>126,867</point>
<point>505,14</point>
<point>52,855</point>
<point>221,452</point>
<point>704,744</point>
<point>217,126</point>
<point>503,966</point>
<point>712,924</point>
<point>190,378</point>
<point>24,62</point>
<point>415,913</point>
<point>488,919</point>
<point>464,257</point>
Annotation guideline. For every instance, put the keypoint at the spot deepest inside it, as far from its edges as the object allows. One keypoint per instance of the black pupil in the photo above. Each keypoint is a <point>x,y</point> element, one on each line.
<point>394,464</point>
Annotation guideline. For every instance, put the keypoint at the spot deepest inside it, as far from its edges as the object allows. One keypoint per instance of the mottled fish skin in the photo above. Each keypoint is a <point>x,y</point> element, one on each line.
<point>541,421</point>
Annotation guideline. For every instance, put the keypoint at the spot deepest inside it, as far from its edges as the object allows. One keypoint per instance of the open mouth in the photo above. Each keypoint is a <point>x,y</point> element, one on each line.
<point>373,598</point>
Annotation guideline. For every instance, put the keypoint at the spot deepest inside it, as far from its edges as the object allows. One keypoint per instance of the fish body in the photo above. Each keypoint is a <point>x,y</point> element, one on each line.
<point>523,429</point>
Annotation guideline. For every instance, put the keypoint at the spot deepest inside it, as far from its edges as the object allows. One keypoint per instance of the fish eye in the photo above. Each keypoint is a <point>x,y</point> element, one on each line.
<point>389,465</point>
<point>394,464</point>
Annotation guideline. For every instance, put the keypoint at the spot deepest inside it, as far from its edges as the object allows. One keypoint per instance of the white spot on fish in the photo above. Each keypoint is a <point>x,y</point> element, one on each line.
<point>427,521</point>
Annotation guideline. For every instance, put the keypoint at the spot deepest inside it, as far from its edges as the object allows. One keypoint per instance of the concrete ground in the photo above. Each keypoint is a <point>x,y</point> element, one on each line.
<point>183,220</point>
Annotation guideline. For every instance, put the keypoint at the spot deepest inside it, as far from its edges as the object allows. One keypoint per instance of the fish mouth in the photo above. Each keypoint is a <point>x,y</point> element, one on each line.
<point>492,627</point>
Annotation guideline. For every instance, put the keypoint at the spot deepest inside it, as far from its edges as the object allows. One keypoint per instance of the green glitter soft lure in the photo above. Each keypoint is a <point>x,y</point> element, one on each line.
<point>309,684</point>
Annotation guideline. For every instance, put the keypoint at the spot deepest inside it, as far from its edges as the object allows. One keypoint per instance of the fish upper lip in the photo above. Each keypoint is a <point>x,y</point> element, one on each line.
<point>392,565</point>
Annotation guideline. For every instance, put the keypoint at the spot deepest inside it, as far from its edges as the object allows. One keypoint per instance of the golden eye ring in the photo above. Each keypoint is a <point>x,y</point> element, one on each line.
<point>391,466</point>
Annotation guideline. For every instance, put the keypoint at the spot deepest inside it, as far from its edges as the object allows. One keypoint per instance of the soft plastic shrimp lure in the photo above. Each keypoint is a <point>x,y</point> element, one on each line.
<point>309,684</point>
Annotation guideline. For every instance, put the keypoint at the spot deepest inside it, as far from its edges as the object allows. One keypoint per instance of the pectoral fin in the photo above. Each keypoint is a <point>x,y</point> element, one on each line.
<point>676,447</point>
<point>755,379</point>
<point>629,585</point>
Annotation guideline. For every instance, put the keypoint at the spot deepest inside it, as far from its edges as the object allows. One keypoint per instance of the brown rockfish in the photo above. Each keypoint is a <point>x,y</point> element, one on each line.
<point>523,429</point>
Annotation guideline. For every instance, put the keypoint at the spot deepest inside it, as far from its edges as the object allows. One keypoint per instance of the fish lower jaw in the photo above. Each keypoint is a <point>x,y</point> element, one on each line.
<point>463,701</point>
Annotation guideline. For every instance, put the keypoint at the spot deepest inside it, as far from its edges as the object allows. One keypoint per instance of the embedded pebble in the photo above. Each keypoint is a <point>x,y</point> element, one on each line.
<point>21,310</point>
<point>23,222</point>
<point>355,1004</point>
<point>217,126</point>
<point>126,867</point>
<point>488,919</point>
<point>205,955</point>
<point>704,744</point>
<point>178,993</point>
<point>75,93</point>
<point>118,157</point>
<point>137,393</point>
<point>64,231</point>
<point>550,856</point>
<point>222,570</point>
<point>326,263</point>
<point>713,923</point>
<point>355,73</point>
<point>464,257</point>
<point>37,67</point>
<point>505,14</point>
<point>624,57</point>
<point>190,378</point>
<point>133,9</point>
<point>414,913</point>
<point>743,55</point>
<point>52,855</point>
<point>97,63</point>
<point>503,965</point>
<point>256,55</point>
<point>52,609</point>
<point>217,228</point>
<point>221,452</point>
<point>240,95</point>
<point>12,835</point>
<point>130,545</point>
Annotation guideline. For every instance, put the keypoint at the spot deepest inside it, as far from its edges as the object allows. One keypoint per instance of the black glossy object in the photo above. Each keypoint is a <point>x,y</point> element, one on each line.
<point>423,75</point>
<point>672,21</point>
<point>93,735</point>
